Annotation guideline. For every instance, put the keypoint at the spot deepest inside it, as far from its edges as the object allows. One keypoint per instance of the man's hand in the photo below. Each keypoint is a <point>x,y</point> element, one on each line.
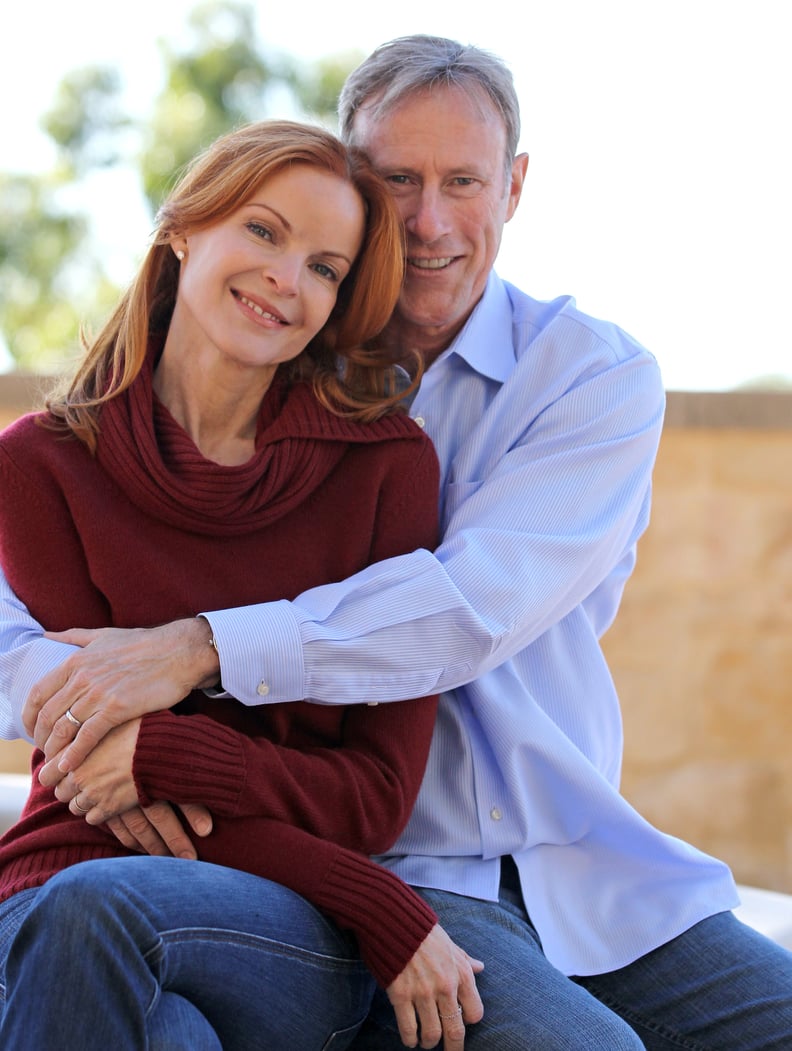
<point>436,993</point>
<point>118,675</point>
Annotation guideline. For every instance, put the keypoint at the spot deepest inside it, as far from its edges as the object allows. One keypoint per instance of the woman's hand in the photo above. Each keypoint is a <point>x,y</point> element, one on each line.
<point>118,675</point>
<point>103,786</point>
<point>436,994</point>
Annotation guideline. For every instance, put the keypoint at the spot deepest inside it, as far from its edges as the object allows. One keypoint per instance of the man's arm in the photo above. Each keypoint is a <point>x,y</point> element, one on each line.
<point>552,515</point>
<point>25,657</point>
<point>547,525</point>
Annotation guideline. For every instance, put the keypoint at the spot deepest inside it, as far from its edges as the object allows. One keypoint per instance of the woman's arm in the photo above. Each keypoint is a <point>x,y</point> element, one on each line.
<point>358,792</point>
<point>425,974</point>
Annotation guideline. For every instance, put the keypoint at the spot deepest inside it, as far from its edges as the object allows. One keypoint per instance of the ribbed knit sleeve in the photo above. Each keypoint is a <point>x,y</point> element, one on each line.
<point>388,919</point>
<point>189,760</point>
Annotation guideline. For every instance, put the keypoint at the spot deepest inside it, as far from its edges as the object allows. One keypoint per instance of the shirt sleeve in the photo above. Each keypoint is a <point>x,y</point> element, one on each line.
<point>537,531</point>
<point>25,657</point>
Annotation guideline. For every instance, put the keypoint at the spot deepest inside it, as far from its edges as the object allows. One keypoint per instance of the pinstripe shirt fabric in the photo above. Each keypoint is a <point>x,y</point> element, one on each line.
<point>546,423</point>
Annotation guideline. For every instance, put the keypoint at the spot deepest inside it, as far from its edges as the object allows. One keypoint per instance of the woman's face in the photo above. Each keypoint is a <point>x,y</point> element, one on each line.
<point>258,286</point>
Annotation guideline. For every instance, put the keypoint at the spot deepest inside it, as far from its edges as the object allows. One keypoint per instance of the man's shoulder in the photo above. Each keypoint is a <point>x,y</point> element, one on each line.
<point>560,321</point>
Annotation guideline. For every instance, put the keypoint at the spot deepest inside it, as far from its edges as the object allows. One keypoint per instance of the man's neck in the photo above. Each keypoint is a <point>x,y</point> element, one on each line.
<point>404,339</point>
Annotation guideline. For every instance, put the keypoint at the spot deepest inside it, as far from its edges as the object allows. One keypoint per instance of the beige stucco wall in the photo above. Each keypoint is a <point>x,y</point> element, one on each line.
<point>702,650</point>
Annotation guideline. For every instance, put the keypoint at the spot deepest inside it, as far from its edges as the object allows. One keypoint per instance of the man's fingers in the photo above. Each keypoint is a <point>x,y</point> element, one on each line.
<point>92,731</point>
<point>39,725</point>
<point>74,636</point>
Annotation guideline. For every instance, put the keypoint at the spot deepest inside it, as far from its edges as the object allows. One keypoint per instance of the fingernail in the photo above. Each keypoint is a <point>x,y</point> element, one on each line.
<point>64,766</point>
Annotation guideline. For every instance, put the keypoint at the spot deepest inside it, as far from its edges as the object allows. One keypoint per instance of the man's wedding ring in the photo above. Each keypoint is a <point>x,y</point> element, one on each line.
<point>72,718</point>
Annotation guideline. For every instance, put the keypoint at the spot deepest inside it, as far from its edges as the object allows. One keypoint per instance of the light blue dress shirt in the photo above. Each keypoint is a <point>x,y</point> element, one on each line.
<point>546,424</point>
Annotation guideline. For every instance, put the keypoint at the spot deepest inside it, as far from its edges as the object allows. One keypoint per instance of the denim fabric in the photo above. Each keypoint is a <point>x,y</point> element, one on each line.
<point>155,954</point>
<point>718,987</point>
<point>721,986</point>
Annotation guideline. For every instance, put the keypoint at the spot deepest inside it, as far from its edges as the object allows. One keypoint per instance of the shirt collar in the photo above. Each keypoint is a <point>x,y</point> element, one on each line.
<point>485,341</point>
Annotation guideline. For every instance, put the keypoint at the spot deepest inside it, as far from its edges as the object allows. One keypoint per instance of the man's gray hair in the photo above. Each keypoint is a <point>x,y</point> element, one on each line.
<point>412,64</point>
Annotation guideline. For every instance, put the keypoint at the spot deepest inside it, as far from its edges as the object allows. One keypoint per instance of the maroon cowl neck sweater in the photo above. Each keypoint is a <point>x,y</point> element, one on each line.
<point>149,531</point>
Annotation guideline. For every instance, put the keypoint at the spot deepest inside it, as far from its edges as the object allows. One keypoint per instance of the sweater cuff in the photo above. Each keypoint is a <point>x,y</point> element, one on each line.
<point>387,916</point>
<point>177,760</point>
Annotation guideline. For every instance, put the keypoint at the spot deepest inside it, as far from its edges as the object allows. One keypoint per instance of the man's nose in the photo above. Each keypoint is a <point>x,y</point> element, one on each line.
<point>428,220</point>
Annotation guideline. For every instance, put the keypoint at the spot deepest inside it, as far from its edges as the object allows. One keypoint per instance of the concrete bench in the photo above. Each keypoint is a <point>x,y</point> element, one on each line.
<point>767,911</point>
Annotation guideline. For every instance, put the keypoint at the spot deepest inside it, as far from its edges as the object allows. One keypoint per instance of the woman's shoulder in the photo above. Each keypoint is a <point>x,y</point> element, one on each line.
<point>322,421</point>
<point>25,429</point>
<point>34,437</point>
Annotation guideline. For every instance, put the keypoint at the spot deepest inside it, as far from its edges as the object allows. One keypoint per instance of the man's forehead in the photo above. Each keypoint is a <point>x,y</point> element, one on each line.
<point>470,100</point>
<point>456,121</point>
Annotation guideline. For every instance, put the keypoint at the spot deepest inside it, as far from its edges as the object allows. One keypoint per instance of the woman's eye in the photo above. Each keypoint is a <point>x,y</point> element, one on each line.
<point>323,270</point>
<point>260,231</point>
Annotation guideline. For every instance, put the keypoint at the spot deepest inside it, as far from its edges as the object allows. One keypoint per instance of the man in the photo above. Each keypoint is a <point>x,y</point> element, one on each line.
<point>596,930</point>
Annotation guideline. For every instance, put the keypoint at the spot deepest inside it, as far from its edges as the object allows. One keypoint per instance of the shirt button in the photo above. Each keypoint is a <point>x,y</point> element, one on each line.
<point>420,421</point>
<point>495,814</point>
<point>262,689</point>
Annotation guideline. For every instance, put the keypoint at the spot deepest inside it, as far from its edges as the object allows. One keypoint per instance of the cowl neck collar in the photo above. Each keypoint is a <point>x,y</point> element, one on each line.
<point>161,470</point>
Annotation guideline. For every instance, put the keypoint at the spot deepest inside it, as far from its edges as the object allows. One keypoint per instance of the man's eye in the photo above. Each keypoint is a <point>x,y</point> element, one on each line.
<point>398,180</point>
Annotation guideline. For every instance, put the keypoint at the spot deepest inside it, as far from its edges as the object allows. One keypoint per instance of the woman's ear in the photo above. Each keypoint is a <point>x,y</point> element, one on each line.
<point>179,247</point>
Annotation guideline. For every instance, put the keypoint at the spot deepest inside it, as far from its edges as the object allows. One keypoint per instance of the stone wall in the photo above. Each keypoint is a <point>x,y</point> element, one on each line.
<point>702,649</point>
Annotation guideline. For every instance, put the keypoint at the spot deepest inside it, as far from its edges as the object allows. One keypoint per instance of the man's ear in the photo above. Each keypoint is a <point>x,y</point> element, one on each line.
<point>518,171</point>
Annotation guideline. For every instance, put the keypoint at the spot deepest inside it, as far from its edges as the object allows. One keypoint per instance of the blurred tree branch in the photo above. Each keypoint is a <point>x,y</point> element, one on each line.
<point>217,77</point>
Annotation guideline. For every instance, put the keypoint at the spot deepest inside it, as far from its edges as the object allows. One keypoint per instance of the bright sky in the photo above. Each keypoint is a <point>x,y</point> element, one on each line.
<point>659,134</point>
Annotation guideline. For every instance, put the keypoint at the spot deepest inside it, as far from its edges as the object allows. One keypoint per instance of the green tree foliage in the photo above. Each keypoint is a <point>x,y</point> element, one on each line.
<point>216,83</point>
<point>85,120</point>
<point>318,86</point>
<point>218,77</point>
<point>36,239</point>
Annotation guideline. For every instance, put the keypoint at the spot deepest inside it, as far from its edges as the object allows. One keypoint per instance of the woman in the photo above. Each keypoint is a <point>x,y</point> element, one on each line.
<point>228,415</point>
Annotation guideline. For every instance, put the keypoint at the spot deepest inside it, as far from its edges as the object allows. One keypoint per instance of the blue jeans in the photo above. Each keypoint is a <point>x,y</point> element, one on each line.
<point>718,986</point>
<point>163,954</point>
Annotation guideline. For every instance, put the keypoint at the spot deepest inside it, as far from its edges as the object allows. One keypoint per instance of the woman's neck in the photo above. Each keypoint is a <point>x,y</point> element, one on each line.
<point>218,406</point>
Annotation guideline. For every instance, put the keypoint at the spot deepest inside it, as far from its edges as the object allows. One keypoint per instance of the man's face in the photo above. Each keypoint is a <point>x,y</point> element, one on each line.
<point>443,157</point>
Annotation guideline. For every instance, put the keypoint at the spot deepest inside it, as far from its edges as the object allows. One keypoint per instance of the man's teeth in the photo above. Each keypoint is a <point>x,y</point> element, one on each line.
<point>432,264</point>
<point>258,310</point>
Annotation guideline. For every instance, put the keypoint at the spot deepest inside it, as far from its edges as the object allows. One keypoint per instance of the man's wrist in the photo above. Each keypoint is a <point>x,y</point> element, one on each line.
<point>204,655</point>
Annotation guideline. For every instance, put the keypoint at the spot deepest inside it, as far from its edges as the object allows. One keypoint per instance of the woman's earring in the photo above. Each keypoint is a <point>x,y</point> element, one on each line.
<point>180,255</point>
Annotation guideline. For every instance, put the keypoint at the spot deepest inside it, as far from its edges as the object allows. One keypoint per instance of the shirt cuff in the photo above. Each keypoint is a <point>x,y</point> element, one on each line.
<point>35,660</point>
<point>260,649</point>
